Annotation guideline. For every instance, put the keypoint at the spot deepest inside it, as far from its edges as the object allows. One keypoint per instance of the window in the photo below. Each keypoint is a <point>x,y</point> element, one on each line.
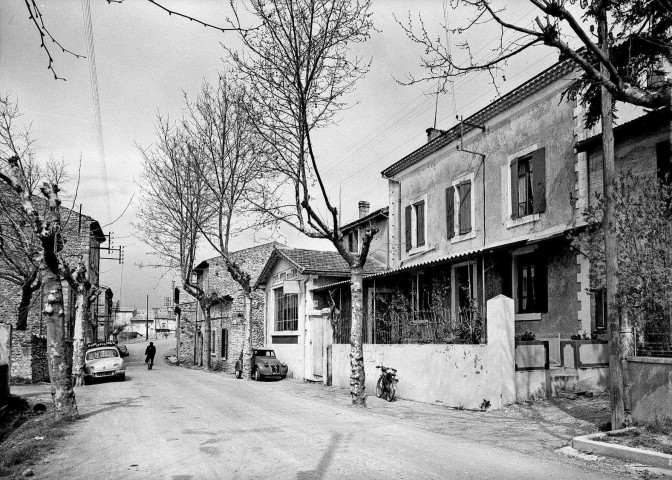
<point>213,342</point>
<point>415,225</point>
<point>353,241</point>
<point>463,210</point>
<point>531,283</point>
<point>225,343</point>
<point>600,310</point>
<point>528,184</point>
<point>286,311</point>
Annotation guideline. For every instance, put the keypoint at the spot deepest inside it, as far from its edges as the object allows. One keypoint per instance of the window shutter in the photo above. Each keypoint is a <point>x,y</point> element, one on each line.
<point>450,211</point>
<point>408,228</point>
<point>539,178</point>
<point>465,207</point>
<point>420,223</point>
<point>541,283</point>
<point>514,189</point>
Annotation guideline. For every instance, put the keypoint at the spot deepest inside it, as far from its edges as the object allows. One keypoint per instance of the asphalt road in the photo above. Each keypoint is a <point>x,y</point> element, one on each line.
<point>177,423</point>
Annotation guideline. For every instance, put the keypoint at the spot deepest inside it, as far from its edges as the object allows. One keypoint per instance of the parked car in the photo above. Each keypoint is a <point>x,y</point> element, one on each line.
<point>123,350</point>
<point>103,360</point>
<point>264,365</point>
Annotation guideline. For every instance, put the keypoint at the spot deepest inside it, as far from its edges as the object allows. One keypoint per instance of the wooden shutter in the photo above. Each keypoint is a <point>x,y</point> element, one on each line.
<point>539,178</point>
<point>541,282</point>
<point>420,223</point>
<point>464,190</point>
<point>409,238</point>
<point>450,211</point>
<point>514,189</point>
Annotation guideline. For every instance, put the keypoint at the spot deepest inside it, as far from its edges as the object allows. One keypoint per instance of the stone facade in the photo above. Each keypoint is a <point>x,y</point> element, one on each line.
<point>29,360</point>
<point>228,317</point>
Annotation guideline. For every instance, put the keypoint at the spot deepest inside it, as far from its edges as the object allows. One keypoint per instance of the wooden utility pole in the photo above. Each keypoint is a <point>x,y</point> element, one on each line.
<point>610,237</point>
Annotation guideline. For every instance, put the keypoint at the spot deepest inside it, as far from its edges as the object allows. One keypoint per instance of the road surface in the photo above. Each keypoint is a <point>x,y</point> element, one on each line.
<point>178,423</point>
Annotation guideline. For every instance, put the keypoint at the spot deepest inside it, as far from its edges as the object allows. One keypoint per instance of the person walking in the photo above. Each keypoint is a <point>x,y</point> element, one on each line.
<point>150,351</point>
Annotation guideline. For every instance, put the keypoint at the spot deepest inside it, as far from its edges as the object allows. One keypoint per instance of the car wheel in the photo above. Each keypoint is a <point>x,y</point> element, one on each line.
<point>283,377</point>
<point>391,392</point>
<point>257,375</point>
<point>239,374</point>
<point>122,377</point>
<point>379,388</point>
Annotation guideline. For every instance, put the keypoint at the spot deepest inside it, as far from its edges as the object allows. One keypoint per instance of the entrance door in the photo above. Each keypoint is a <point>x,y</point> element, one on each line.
<point>316,340</point>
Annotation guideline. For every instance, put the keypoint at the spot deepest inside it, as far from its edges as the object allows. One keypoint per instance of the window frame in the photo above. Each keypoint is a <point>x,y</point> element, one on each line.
<point>280,321</point>
<point>538,205</point>
<point>353,235</point>
<point>415,247</point>
<point>459,233</point>
<point>536,259</point>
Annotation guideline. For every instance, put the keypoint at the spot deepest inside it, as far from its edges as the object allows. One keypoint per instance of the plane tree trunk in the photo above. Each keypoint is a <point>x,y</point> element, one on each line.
<point>357,376</point>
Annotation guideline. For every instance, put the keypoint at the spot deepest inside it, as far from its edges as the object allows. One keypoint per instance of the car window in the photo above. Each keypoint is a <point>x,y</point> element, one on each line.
<point>106,353</point>
<point>265,353</point>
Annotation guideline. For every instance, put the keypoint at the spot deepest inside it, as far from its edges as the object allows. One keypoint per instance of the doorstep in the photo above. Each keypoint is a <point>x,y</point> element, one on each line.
<point>587,443</point>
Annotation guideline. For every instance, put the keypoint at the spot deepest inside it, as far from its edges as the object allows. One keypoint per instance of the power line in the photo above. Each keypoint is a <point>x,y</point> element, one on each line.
<point>93,77</point>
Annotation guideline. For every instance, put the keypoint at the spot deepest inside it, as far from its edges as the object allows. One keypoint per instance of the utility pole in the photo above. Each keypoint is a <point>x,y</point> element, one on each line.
<point>617,396</point>
<point>147,321</point>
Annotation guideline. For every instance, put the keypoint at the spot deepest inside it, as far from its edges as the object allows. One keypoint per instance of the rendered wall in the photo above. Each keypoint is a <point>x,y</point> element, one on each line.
<point>651,390</point>
<point>452,375</point>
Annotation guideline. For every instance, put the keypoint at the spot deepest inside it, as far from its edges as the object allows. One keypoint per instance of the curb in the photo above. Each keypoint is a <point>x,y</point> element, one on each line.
<point>585,443</point>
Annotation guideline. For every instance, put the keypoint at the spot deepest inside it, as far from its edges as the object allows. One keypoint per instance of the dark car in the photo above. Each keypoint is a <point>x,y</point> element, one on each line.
<point>264,365</point>
<point>123,351</point>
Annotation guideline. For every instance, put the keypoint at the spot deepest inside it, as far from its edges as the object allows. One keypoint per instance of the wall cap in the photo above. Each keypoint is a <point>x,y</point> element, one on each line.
<point>660,360</point>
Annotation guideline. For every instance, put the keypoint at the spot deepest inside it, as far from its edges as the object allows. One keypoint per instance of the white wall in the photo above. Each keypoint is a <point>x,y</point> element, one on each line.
<point>452,375</point>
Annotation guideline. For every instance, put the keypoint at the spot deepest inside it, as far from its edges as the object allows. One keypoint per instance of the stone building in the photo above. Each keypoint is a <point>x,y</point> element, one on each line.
<point>83,237</point>
<point>228,317</point>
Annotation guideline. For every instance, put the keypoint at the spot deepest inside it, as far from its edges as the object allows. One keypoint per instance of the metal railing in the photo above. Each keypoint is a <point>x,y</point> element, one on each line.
<point>653,344</point>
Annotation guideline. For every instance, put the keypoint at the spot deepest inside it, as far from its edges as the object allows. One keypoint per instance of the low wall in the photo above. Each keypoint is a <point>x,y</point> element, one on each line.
<point>651,388</point>
<point>452,375</point>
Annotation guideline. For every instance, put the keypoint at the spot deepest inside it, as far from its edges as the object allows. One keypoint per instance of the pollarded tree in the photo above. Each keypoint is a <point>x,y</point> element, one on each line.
<point>626,61</point>
<point>299,67</point>
<point>173,204</point>
<point>229,157</point>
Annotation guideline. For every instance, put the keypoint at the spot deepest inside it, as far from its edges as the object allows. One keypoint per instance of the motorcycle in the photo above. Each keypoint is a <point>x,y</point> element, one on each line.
<point>386,387</point>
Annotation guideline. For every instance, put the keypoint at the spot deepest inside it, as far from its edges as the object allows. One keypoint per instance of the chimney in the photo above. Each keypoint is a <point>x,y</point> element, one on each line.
<point>364,208</point>
<point>432,133</point>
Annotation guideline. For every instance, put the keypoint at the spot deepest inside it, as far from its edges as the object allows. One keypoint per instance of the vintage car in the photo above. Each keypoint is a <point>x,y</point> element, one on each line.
<point>103,360</point>
<point>264,365</point>
<point>123,350</point>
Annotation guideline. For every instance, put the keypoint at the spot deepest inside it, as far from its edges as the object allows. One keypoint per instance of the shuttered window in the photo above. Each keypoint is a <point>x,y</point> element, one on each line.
<point>450,211</point>
<point>225,343</point>
<point>353,241</point>
<point>464,194</point>
<point>532,283</point>
<point>409,231</point>
<point>420,223</point>
<point>528,184</point>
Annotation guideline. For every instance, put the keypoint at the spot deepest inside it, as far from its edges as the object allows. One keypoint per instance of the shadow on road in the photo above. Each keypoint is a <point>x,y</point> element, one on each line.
<point>326,459</point>
<point>127,402</point>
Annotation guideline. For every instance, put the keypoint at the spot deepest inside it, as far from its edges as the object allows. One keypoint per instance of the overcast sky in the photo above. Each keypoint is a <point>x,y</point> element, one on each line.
<point>146,60</point>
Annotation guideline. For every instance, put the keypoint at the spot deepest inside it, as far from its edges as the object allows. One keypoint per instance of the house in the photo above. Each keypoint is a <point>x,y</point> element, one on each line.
<point>228,315</point>
<point>485,211</point>
<point>295,325</point>
<point>83,236</point>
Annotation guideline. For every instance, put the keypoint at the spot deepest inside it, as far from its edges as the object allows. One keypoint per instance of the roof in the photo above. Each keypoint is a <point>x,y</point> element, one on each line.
<point>97,231</point>
<point>381,212</point>
<point>237,255</point>
<point>317,262</point>
<point>503,103</point>
<point>652,121</point>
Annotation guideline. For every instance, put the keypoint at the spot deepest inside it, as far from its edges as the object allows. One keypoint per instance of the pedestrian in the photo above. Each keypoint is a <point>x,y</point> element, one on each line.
<point>150,351</point>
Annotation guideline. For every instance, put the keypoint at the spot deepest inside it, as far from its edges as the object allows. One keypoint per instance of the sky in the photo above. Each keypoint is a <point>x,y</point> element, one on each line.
<point>147,60</point>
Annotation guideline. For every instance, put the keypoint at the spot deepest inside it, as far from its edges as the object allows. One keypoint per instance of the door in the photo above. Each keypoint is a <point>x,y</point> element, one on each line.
<point>316,338</point>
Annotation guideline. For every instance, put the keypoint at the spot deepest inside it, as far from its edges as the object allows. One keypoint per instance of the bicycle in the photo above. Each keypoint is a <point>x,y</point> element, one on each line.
<point>386,387</point>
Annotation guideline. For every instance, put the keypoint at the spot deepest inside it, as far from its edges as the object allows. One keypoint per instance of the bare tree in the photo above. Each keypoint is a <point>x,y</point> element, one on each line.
<point>299,67</point>
<point>227,151</point>
<point>173,204</point>
<point>626,62</point>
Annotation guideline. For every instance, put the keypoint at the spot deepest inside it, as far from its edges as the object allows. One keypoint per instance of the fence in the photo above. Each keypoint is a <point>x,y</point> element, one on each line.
<point>653,344</point>
<point>430,326</point>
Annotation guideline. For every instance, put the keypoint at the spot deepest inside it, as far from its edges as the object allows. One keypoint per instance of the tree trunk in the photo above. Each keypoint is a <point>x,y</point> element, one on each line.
<point>247,340</point>
<point>59,351</point>
<point>357,376</point>
<point>610,237</point>
<point>79,340</point>
<point>207,349</point>
<point>627,345</point>
<point>177,338</point>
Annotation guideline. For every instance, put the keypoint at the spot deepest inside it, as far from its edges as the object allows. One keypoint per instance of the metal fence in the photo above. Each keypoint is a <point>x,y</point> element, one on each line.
<point>653,344</point>
<point>435,326</point>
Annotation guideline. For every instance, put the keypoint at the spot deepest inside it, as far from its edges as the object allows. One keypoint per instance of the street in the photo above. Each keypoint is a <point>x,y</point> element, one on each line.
<point>179,423</point>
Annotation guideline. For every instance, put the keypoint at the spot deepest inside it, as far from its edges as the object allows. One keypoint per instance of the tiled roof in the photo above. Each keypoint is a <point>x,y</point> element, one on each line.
<point>650,122</point>
<point>316,262</point>
<point>503,103</point>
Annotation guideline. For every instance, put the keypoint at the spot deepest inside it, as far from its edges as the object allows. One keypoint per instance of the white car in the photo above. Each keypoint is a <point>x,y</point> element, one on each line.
<point>102,360</point>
